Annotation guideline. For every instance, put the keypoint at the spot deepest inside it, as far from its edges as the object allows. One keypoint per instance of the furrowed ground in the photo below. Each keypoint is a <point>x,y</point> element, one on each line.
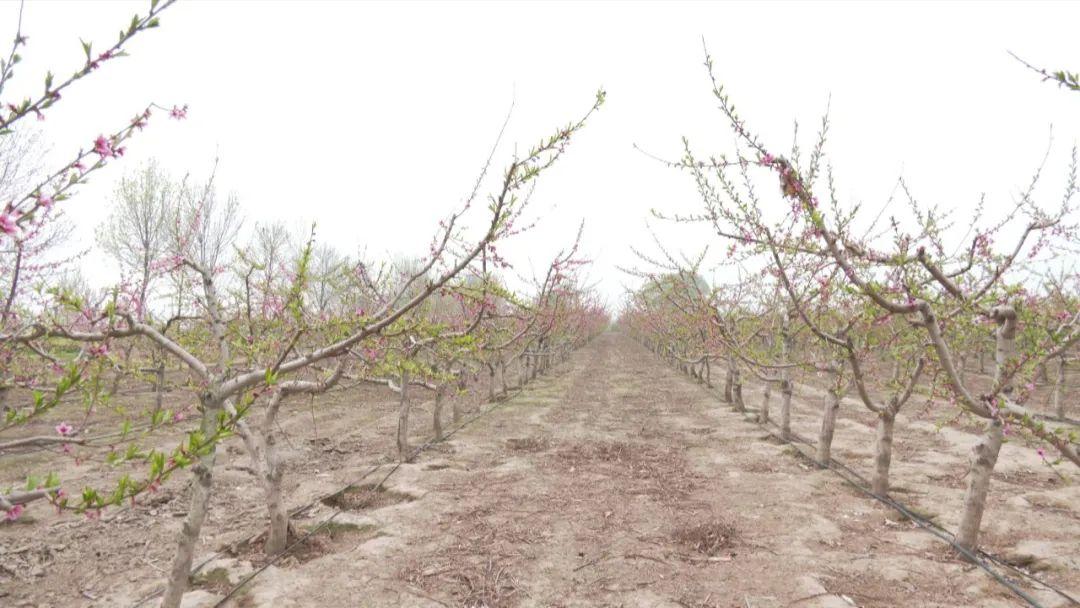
<point>613,482</point>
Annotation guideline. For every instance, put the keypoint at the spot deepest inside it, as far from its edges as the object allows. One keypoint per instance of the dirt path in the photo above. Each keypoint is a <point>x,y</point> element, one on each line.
<point>612,482</point>
<point>617,482</point>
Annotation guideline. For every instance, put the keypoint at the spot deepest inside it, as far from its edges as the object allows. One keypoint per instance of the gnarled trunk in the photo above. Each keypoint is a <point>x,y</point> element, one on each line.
<point>983,458</point>
<point>278,534</point>
<point>455,404</point>
<point>1058,401</point>
<point>984,454</point>
<point>785,409</point>
<point>729,381</point>
<point>203,472</point>
<point>737,402</point>
<point>828,425</point>
<point>436,415</point>
<point>403,419</point>
<point>883,457</point>
<point>766,397</point>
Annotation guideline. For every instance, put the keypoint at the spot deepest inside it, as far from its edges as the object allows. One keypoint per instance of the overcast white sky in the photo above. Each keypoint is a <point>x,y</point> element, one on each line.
<point>373,119</point>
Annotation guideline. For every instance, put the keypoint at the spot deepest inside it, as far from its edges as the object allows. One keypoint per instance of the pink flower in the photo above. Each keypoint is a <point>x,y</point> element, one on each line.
<point>78,165</point>
<point>104,148</point>
<point>99,350</point>
<point>14,513</point>
<point>45,201</point>
<point>178,416</point>
<point>9,224</point>
<point>767,159</point>
<point>178,113</point>
<point>64,429</point>
<point>1041,452</point>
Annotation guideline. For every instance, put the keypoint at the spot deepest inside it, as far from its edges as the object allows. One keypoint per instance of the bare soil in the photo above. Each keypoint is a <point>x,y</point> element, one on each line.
<point>614,481</point>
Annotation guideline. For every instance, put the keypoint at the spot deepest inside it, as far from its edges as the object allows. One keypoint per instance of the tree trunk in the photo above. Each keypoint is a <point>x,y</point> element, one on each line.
<point>729,380</point>
<point>708,373</point>
<point>455,404</point>
<point>785,381</point>
<point>159,387</point>
<point>278,536</point>
<point>785,409</point>
<point>763,416</point>
<point>984,454</point>
<point>983,458</point>
<point>118,376</point>
<point>736,390</point>
<point>1059,390</point>
<point>883,458</point>
<point>203,472</point>
<point>502,377</point>
<point>403,419</point>
<point>828,426</point>
<point>436,422</point>
<point>491,382</point>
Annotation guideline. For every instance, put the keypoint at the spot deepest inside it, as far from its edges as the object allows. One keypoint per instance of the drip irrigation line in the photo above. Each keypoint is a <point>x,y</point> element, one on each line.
<point>840,469</point>
<point>978,557</point>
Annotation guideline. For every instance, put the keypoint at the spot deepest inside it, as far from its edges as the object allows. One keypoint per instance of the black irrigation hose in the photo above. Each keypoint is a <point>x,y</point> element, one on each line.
<point>976,557</point>
<point>840,469</point>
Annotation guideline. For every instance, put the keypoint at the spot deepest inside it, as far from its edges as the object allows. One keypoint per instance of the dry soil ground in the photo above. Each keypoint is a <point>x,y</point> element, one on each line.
<point>613,482</point>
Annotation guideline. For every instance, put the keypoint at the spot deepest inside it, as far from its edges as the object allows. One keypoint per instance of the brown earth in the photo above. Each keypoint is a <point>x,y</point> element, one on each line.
<point>613,482</point>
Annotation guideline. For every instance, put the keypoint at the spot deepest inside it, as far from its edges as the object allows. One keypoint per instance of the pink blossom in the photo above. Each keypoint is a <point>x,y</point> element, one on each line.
<point>1041,452</point>
<point>45,201</point>
<point>99,350</point>
<point>178,113</point>
<point>104,148</point>
<point>64,429</point>
<point>14,513</point>
<point>178,417</point>
<point>9,224</point>
<point>767,159</point>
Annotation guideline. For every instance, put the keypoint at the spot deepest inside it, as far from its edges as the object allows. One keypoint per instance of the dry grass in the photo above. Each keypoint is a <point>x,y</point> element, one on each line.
<point>708,537</point>
<point>368,496</point>
<point>528,444</point>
